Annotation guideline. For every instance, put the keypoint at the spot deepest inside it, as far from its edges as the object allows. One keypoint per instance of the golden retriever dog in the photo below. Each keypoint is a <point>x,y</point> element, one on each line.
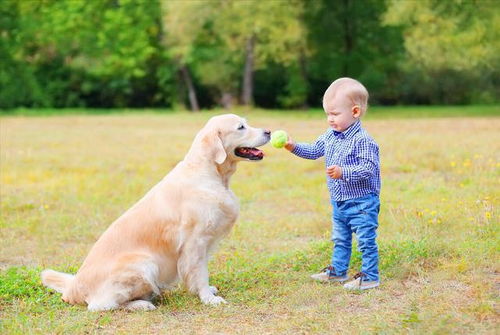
<point>169,234</point>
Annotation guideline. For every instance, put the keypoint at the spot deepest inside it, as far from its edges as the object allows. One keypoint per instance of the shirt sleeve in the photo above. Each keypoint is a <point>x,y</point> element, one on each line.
<point>367,153</point>
<point>311,150</point>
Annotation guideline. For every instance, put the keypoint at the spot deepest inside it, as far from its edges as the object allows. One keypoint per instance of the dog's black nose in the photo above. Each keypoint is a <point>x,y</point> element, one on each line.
<point>267,132</point>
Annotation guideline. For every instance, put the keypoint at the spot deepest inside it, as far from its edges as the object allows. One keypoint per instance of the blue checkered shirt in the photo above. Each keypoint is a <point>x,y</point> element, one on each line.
<point>355,152</point>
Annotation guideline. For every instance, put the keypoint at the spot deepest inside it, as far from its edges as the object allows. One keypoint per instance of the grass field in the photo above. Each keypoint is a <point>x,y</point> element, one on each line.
<point>64,179</point>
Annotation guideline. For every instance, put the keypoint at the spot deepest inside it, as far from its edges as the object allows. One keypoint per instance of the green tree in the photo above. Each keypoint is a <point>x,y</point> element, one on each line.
<point>183,22</point>
<point>18,82</point>
<point>346,38</point>
<point>103,49</point>
<point>452,34</point>
<point>227,37</point>
<point>274,53</point>
<point>263,31</point>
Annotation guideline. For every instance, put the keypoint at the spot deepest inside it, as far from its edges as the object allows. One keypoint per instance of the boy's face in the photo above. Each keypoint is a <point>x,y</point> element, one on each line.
<point>340,112</point>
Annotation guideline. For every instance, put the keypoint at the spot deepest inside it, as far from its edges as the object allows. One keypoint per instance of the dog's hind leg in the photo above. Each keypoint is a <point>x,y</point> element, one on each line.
<point>123,292</point>
<point>138,305</point>
<point>105,301</point>
<point>129,287</point>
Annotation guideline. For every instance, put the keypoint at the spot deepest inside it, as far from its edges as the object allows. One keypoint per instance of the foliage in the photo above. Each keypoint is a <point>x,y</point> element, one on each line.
<point>348,39</point>
<point>275,24</point>
<point>116,53</point>
<point>453,34</point>
<point>214,43</point>
<point>87,53</point>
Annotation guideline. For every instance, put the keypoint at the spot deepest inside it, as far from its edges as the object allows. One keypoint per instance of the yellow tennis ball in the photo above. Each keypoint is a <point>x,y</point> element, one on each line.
<point>279,138</point>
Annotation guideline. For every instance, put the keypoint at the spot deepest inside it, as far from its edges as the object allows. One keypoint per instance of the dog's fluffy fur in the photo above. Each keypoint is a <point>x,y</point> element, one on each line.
<point>170,232</point>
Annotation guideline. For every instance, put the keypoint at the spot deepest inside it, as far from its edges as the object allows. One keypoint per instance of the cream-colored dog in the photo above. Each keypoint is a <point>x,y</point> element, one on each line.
<point>170,232</point>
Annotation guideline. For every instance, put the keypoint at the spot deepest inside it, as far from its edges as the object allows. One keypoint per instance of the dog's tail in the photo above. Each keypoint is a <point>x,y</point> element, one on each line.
<point>57,280</point>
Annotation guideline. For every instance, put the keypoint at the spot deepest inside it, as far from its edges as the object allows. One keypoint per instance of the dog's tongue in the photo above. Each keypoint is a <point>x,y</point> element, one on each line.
<point>251,151</point>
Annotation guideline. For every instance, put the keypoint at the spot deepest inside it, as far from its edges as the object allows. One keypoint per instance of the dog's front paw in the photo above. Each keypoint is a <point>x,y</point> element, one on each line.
<point>212,300</point>
<point>214,290</point>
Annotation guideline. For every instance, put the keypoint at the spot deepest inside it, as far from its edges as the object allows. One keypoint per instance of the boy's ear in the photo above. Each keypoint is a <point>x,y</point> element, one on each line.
<point>356,111</point>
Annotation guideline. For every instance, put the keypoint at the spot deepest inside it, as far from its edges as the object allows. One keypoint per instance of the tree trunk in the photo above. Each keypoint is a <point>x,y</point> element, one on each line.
<point>247,93</point>
<point>227,100</point>
<point>348,37</point>
<point>303,74</point>
<point>193,100</point>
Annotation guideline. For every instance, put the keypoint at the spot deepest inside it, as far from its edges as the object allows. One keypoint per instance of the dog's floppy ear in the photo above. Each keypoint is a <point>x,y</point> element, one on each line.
<point>216,148</point>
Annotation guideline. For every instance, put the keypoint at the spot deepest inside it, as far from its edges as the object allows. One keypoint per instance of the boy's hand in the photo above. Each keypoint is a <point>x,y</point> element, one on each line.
<point>334,171</point>
<point>290,144</point>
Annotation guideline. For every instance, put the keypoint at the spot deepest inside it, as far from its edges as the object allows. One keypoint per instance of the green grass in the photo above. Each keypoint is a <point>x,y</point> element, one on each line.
<point>375,112</point>
<point>64,179</point>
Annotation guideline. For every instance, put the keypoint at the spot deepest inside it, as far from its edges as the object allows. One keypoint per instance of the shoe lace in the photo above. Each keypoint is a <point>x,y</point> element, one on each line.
<point>359,275</point>
<point>330,269</point>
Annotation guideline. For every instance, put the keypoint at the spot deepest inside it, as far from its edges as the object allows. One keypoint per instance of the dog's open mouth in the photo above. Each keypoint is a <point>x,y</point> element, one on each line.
<point>253,154</point>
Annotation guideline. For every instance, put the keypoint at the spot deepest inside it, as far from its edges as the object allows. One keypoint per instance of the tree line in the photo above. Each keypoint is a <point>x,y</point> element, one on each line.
<point>270,53</point>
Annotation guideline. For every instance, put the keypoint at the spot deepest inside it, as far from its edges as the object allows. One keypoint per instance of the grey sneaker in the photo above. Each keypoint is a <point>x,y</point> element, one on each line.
<point>327,275</point>
<point>359,284</point>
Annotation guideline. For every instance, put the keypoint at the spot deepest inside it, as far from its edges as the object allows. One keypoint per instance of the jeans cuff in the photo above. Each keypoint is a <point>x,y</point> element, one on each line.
<point>371,279</point>
<point>335,273</point>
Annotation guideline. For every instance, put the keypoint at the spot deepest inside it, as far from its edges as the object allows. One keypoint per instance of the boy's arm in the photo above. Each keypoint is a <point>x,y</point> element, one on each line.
<point>368,154</point>
<point>307,150</point>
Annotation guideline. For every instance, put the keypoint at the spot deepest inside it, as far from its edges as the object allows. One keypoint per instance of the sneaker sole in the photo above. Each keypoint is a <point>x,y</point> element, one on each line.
<point>340,280</point>
<point>331,280</point>
<point>362,287</point>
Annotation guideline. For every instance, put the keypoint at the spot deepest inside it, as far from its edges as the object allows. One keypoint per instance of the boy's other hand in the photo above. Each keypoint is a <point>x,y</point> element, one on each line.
<point>334,171</point>
<point>290,144</point>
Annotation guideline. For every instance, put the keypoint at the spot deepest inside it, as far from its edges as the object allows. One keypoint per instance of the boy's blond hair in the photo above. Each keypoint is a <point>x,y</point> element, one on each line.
<point>352,89</point>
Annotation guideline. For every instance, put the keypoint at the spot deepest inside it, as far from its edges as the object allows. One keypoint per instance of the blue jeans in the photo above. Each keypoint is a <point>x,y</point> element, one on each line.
<point>358,216</point>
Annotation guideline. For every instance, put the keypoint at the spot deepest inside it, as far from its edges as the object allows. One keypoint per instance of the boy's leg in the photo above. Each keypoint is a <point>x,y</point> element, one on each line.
<point>342,239</point>
<point>364,223</point>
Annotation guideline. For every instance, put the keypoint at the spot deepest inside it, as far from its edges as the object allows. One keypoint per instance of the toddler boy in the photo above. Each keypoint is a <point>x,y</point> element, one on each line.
<point>353,180</point>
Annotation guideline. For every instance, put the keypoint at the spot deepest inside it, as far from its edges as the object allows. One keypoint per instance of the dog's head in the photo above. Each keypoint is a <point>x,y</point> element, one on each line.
<point>229,137</point>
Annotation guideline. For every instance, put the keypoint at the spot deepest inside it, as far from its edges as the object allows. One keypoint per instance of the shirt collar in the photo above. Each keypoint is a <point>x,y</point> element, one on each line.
<point>349,132</point>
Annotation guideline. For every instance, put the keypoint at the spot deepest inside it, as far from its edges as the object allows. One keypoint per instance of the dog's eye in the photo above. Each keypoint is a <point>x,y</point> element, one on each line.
<point>241,127</point>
